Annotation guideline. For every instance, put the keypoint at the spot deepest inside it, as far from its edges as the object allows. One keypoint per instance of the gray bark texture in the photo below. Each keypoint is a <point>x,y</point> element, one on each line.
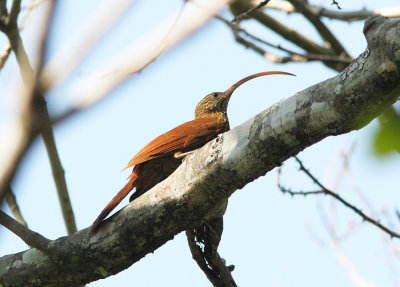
<point>199,188</point>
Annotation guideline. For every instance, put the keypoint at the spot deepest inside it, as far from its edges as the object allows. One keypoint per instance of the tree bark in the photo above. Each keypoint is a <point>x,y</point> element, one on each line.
<point>195,191</point>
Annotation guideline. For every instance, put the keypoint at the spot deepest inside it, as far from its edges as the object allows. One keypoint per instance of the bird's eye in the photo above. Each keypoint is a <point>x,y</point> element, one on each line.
<point>215,95</point>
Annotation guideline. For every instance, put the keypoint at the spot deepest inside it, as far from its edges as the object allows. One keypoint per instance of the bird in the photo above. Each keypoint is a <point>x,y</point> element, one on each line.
<point>162,156</point>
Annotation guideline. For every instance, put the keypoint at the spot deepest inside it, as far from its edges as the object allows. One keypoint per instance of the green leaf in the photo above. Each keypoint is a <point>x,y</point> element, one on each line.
<point>387,138</point>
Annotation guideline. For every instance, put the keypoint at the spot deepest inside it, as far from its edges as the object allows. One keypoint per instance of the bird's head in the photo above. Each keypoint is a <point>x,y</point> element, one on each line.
<point>217,102</point>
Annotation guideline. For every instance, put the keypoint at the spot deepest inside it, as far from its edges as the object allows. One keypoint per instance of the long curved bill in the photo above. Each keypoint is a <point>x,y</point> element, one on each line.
<point>229,91</point>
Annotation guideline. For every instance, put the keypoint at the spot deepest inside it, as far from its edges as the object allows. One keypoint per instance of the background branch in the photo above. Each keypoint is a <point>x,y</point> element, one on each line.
<point>4,56</point>
<point>29,237</point>
<point>248,12</point>
<point>326,191</point>
<point>35,117</point>
<point>289,34</point>
<point>320,10</point>
<point>328,37</point>
<point>94,88</point>
<point>292,55</point>
<point>12,204</point>
<point>208,177</point>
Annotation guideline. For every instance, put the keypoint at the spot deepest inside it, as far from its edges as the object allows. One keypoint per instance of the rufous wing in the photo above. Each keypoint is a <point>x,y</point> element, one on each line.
<point>187,136</point>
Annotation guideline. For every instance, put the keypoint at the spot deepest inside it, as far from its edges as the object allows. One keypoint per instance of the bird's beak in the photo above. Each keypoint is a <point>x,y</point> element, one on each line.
<point>229,91</point>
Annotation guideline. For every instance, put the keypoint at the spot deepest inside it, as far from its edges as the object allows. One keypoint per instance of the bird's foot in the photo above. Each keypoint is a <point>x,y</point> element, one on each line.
<point>182,154</point>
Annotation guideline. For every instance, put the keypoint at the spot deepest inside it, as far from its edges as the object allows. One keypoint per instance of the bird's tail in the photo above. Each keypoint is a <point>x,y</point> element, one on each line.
<point>115,201</point>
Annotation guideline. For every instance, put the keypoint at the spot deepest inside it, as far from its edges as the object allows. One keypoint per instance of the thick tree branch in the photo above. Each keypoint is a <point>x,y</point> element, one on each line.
<point>193,193</point>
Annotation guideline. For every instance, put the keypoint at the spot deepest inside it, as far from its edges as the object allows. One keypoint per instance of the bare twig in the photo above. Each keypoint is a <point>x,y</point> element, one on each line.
<point>323,31</point>
<point>326,191</point>
<point>335,238</point>
<point>12,204</point>
<point>349,16</point>
<point>334,2</point>
<point>30,237</point>
<point>357,15</point>
<point>58,172</point>
<point>347,204</point>
<point>248,12</point>
<point>292,57</point>
<point>240,6</point>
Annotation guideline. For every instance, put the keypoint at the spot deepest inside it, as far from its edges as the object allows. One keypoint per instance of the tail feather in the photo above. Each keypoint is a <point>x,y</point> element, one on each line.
<point>114,202</point>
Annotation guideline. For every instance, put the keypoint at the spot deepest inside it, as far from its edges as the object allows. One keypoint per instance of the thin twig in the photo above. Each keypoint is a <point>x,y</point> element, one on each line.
<point>46,130</point>
<point>248,12</point>
<point>337,4</point>
<point>30,237</point>
<point>286,32</point>
<point>299,57</point>
<point>58,171</point>
<point>326,191</point>
<point>12,204</point>
<point>349,16</point>
<point>347,204</point>
<point>352,272</point>
<point>321,28</point>
<point>292,57</point>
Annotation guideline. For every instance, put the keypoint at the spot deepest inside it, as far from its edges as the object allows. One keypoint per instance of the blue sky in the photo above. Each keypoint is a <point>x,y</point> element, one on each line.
<point>272,239</point>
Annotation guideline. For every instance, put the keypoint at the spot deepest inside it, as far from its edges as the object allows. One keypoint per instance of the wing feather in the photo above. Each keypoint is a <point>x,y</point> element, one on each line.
<point>185,137</point>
